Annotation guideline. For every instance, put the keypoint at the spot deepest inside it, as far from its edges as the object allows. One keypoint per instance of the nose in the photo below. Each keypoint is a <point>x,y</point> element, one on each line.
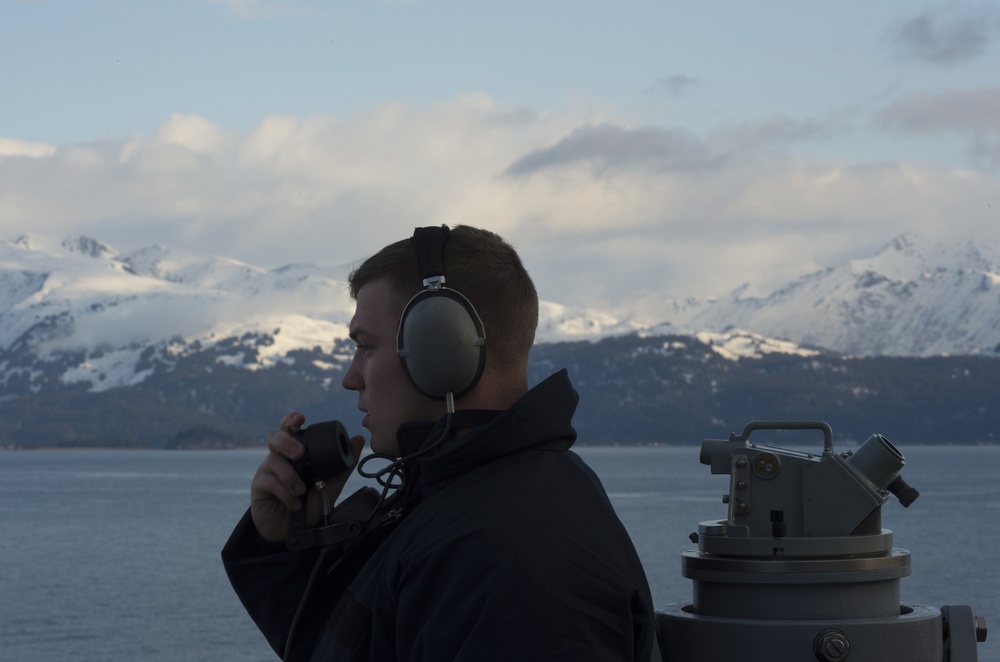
<point>352,380</point>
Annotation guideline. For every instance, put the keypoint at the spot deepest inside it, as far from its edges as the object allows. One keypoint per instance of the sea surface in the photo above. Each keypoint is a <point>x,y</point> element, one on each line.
<point>114,555</point>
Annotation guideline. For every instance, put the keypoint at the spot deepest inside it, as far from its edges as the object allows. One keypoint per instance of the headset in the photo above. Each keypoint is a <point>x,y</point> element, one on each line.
<point>440,341</point>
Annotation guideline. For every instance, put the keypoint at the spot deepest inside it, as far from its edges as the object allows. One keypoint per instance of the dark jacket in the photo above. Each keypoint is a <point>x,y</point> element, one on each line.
<point>509,549</point>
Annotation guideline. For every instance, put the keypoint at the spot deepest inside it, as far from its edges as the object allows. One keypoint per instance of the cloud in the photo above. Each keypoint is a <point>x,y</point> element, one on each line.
<point>963,110</point>
<point>971,113</point>
<point>984,152</point>
<point>775,132</point>
<point>195,133</point>
<point>609,148</point>
<point>673,85</point>
<point>607,215</point>
<point>946,36</point>
<point>16,147</point>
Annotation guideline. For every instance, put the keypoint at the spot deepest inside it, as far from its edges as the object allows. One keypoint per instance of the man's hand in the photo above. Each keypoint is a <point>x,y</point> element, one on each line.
<point>276,488</point>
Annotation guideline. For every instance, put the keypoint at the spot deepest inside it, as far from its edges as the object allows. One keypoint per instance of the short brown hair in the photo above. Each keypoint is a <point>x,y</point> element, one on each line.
<point>487,270</point>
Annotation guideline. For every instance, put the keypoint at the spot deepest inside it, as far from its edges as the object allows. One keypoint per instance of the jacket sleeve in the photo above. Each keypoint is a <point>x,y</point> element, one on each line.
<point>291,595</point>
<point>269,580</point>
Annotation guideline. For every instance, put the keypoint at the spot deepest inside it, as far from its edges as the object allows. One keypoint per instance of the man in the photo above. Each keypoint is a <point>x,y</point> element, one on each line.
<point>501,543</point>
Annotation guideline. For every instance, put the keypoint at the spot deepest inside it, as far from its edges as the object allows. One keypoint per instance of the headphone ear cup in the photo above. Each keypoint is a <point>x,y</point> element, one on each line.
<point>441,343</point>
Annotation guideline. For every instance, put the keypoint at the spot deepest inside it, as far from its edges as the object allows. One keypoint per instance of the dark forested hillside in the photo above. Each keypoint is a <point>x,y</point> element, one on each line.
<point>676,390</point>
<point>633,390</point>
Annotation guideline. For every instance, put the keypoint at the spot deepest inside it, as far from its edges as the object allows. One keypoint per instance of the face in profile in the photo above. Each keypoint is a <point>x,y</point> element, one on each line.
<point>385,394</point>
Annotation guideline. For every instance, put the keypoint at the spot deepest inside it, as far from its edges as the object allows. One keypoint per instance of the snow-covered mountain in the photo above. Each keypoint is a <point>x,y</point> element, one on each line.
<point>913,298</point>
<point>80,312</point>
<point>81,298</point>
<point>100,314</point>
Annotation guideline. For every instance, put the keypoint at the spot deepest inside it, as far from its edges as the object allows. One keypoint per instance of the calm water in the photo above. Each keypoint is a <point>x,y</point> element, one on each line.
<point>114,555</point>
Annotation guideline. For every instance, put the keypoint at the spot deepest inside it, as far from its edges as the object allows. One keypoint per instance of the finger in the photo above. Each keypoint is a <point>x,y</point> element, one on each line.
<point>266,488</point>
<point>282,443</point>
<point>292,421</point>
<point>276,476</point>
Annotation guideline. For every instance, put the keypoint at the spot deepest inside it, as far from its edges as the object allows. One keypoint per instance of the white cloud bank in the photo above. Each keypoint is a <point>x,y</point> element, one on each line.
<point>606,214</point>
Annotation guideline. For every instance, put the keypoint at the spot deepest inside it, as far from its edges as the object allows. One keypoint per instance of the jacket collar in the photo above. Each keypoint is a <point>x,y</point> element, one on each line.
<point>542,419</point>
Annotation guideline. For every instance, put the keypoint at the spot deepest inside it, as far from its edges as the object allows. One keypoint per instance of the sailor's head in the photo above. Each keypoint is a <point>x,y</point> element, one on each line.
<point>481,267</point>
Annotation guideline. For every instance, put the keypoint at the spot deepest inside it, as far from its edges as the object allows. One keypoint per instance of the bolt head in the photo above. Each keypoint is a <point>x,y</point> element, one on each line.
<point>831,646</point>
<point>980,623</point>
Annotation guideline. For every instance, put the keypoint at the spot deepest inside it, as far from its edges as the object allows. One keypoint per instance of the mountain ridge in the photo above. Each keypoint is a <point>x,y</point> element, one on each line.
<point>163,348</point>
<point>913,298</point>
<point>81,297</point>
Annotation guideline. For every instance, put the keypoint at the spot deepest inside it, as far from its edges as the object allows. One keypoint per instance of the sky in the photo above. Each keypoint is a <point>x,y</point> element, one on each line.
<point>632,151</point>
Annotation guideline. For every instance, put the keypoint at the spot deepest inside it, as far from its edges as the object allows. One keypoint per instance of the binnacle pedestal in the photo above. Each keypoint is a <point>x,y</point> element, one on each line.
<point>801,568</point>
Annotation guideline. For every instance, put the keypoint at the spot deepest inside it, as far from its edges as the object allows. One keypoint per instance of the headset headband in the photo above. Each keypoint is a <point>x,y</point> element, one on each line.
<point>441,341</point>
<point>428,244</point>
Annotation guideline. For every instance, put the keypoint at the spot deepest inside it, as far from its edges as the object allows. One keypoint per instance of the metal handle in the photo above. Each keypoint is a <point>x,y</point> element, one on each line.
<point>789,425</point>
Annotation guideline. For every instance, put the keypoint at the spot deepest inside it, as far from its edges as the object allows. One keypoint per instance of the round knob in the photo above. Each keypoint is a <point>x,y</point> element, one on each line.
<point>832,646</point>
